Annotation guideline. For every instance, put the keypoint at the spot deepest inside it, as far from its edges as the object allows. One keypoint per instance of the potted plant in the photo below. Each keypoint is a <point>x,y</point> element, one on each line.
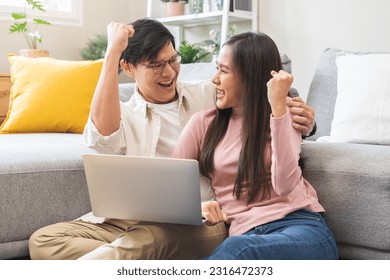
<point>29,29</point>
<point>95,49</point>
<point>192,53</point>
<point>214,43</point>
<point>174,7</point>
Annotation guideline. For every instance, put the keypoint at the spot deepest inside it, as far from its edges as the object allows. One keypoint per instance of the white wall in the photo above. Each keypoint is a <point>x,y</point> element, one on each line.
<point>301,29</point>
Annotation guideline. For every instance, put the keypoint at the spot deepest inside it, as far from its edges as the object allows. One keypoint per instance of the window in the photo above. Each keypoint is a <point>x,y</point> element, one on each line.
<point>65,12</point>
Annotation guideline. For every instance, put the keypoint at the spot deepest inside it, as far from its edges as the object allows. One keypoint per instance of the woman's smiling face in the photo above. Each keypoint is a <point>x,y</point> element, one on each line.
<point>228,84</point>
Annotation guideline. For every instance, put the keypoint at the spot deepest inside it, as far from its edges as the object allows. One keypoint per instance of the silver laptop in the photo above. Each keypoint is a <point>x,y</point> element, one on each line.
<point>149,189</point>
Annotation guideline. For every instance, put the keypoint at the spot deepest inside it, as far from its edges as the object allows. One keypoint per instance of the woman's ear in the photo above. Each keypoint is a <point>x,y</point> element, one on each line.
<point>127,68</point>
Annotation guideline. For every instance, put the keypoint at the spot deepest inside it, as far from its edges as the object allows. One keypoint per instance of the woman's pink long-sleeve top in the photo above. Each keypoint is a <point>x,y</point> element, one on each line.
<point>289,191</point>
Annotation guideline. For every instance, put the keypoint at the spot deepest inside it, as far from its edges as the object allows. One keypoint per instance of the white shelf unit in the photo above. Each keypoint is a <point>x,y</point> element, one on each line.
<point>221,17</point>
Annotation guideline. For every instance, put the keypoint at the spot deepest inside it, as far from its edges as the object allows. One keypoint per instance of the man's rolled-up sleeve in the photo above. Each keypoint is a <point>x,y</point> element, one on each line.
<point>111,144</point>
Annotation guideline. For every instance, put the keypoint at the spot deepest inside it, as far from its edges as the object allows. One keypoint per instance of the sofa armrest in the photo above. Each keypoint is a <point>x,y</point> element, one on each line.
<point>353,184</point>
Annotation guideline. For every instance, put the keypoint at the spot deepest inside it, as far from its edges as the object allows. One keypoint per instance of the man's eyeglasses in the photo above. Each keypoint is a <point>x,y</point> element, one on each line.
<point>159,66</point>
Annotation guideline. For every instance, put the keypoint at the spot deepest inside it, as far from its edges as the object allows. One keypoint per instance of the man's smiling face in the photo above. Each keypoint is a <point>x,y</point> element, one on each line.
<point>157,88</point>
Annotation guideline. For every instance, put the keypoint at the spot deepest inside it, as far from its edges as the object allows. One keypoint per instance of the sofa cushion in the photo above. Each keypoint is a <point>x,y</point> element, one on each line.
<point>50,95</point>
<point>42,181</point>
<point>352,182</point>
<point>323,90</point>
<point>362,109</point>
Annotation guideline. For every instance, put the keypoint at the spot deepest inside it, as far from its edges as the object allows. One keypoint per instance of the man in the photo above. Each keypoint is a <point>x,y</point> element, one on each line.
<point>149,124</point>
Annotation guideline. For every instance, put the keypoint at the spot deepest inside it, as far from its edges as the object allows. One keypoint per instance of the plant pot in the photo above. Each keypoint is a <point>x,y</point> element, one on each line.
<point>33,53</point>
<point>173,9</point>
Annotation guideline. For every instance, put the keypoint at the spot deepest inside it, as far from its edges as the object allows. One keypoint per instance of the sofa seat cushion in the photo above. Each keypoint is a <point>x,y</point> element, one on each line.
<point>42,181</point>
<point>29,152</point>
<point>353,185</point>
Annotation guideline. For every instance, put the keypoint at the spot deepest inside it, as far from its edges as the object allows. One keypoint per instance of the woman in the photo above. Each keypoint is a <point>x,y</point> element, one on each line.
<point>248,149</point>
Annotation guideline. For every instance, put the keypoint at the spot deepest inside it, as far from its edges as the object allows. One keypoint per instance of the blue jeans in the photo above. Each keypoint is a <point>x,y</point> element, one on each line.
<point>301,235</point>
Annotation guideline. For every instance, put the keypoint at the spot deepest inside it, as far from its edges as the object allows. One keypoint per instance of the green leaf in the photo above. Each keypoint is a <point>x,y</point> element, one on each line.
<point>95,48</point>
<point>22,26</point>
<point>36,5</point>
<point>18,15</point>
<point>18,27</point>
<point>191,53</point>
<point>41,21</point>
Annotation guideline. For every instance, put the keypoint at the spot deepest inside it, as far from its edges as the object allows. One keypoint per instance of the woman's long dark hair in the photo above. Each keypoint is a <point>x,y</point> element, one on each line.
<point>254,55</point>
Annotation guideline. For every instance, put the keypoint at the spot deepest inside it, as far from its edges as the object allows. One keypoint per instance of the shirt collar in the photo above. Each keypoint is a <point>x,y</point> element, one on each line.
<point>140,102</point>
<point>142,105</point>
<point>181,96</point>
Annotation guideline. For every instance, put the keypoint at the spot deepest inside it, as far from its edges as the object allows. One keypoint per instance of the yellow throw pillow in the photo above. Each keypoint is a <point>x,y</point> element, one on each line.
<point>50,95</point>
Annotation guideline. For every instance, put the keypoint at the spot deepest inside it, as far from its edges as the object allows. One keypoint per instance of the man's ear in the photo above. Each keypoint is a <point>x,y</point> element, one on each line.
<point>127,68</point>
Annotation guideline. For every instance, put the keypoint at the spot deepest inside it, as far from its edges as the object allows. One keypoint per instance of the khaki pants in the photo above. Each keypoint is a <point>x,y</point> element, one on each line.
<point>124,239</point>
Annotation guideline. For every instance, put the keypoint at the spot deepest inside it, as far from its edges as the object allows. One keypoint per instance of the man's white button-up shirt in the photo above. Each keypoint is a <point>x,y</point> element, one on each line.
<point>140,128</point>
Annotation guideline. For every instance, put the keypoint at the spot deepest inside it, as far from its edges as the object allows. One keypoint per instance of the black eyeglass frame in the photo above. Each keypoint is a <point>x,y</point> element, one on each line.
<point>159,66</point>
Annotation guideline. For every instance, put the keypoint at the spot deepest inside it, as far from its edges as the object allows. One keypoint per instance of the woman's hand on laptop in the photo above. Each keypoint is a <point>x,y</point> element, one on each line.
<point>212,213</point>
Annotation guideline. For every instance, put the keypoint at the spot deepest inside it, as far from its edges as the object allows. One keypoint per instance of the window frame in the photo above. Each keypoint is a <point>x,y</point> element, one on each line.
<point>74,18</point>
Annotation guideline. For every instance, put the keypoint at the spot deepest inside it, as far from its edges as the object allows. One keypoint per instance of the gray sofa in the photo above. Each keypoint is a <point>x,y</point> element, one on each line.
<point>42,179</point>
<point>352,180</point>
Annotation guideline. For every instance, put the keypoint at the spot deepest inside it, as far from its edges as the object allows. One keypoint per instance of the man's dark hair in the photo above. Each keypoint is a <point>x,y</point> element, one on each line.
<point>149,38</point>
